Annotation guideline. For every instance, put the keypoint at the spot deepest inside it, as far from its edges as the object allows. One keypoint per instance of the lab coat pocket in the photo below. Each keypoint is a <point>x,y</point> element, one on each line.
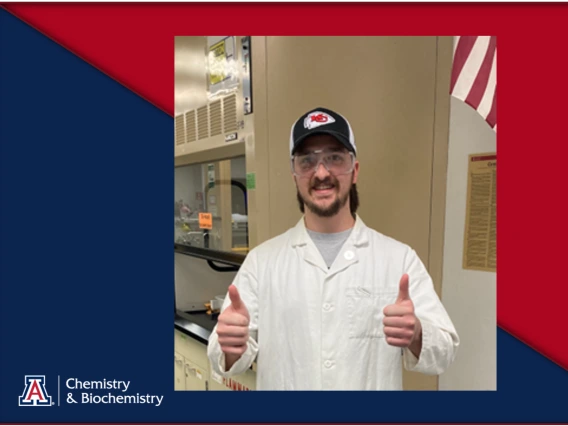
<point>365,312</point>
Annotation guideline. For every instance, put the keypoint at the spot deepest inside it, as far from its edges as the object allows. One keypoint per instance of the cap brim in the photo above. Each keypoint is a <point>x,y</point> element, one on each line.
<point>340,138</point>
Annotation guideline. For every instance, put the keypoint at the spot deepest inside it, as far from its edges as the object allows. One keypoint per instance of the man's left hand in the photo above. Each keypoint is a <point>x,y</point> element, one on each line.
<point>401,326</point>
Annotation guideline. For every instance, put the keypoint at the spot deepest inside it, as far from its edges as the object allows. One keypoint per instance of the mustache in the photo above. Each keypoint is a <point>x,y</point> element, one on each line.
<point>327,181</point>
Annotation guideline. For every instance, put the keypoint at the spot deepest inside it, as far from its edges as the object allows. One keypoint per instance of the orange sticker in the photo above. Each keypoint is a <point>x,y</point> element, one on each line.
<point>205,220</point>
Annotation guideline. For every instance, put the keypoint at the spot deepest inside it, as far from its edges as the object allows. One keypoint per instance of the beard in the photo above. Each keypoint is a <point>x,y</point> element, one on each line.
<point>330,210</point>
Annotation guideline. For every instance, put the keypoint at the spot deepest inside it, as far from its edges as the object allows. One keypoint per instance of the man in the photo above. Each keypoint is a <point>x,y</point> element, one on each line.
<point>331,304</point>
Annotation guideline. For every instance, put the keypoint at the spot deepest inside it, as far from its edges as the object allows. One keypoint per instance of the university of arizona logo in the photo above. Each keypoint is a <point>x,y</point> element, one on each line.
<point>34,394</point>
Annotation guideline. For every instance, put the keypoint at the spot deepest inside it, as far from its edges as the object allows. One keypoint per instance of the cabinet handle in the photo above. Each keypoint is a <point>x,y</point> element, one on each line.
<point>190,369</point>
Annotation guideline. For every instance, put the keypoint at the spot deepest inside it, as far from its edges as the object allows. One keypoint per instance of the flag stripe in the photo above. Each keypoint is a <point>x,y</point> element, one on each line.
<point>487,100</point>
<point>474,75</point>
<point>492,116</point>
<point>480,84</point>
<point>464,46</point>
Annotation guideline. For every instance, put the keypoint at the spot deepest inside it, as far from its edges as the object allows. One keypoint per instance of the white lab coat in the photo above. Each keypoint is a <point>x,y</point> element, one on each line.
<point>314,328</point>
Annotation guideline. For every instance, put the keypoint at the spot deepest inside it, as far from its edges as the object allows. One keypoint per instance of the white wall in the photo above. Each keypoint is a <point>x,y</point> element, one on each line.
<point>469,296</point>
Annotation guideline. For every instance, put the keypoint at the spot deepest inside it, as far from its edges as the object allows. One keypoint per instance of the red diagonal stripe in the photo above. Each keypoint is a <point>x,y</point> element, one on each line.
<point>492,116</point>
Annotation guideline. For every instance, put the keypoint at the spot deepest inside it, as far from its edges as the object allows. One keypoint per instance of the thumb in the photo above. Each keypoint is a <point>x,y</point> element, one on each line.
<point>403,289</point>
<point>236,300</point>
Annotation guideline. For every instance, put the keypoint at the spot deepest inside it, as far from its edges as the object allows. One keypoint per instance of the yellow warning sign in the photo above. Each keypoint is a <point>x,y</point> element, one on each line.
<point>217,62</point>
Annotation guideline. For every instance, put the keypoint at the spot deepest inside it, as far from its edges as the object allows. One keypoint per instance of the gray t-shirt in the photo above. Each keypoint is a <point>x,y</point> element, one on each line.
<point>329,245</point>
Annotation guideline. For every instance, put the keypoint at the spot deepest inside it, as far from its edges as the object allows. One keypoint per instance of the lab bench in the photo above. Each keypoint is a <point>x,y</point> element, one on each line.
<point>191,365</point>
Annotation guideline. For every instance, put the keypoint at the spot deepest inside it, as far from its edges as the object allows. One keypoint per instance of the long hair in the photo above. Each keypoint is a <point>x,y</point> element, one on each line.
<point>353,200</point>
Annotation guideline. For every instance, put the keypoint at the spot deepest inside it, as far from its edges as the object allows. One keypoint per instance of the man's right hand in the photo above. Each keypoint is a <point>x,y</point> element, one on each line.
<point>232,328</point>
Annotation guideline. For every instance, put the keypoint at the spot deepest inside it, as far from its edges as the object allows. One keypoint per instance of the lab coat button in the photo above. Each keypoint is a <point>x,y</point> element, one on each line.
<point>349,255</point>
<point>326,306</point>
<point>327,364</point>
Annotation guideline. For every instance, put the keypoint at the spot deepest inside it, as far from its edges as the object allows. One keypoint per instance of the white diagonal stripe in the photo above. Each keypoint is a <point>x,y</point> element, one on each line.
<point>456,41</point>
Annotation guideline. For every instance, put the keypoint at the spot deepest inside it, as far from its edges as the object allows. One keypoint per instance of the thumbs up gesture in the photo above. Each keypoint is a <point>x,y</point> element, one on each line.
<point>401,326</point>
<point>232,326</point>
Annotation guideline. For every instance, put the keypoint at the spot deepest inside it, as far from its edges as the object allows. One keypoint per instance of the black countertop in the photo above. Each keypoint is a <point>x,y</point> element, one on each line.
<point>198,325</point>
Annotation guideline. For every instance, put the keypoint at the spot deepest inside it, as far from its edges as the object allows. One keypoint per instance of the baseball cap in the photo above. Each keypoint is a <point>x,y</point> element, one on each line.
<point>322,120</point>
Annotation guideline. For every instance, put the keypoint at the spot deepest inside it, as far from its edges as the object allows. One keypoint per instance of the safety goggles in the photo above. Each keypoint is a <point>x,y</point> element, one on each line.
<point>335,162</point>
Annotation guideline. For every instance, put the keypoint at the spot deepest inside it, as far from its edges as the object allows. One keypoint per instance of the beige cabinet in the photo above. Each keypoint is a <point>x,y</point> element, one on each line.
<point>192,370</point>
<point>190,363</point>
<point>188,375</point>
<point>241,382</point>
<point>179,375</point>
<point>195,376</point>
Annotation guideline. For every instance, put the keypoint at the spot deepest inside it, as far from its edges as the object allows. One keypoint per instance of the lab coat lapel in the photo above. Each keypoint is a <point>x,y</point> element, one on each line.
<point>346,257</point>
<point>350,253</point>
<point>312,255</point>
<point>306,247</point>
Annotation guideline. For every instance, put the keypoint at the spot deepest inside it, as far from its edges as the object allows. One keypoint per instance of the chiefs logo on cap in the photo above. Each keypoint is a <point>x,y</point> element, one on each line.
<point>316,119</point>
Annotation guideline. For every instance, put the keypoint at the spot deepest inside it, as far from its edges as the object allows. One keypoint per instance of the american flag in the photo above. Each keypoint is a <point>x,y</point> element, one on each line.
<point>474,75</point>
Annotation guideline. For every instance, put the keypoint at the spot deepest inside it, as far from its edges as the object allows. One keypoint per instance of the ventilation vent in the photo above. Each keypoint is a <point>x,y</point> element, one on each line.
<point>180,130</point>
<point>190,126</point>
<point>210,120</point>
<point>230,113</point>
<point>202,123</point>
<point>215,118</point>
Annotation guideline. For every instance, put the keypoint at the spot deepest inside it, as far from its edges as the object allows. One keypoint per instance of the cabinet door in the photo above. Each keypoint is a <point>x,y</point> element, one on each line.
<point>217,382</point>
<point>195,376</point>
<point>179,374</point>
<point>241,382</point>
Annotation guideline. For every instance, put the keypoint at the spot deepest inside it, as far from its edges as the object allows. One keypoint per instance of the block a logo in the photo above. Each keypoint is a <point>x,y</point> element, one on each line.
<point>34,394</point>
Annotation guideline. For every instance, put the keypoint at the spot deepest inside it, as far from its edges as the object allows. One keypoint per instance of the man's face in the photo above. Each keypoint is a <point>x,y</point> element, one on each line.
<point>322,192</point>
